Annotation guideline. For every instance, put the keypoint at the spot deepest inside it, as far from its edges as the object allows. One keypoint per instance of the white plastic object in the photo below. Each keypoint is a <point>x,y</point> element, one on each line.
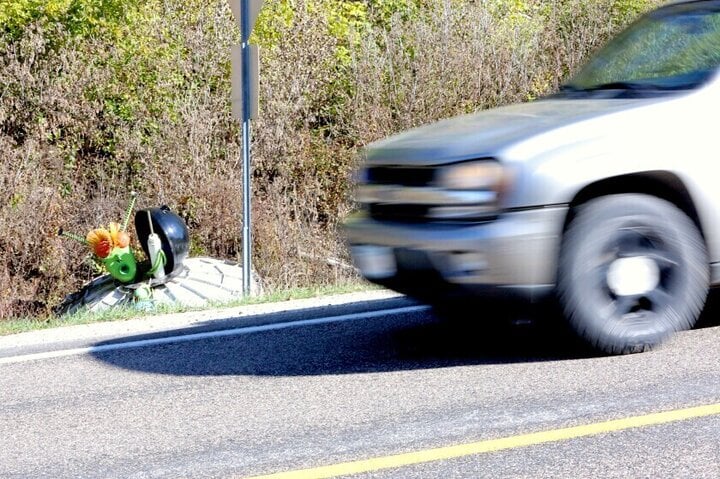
<point>154,249</point>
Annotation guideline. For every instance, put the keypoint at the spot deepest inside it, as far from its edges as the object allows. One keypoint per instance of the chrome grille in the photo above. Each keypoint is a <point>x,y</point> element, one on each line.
<point>405,176</point>
<point>408,194</point>
<point>406,213</point>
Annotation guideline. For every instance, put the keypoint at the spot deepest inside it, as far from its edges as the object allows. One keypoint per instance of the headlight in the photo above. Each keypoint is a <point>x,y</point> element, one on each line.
<point>473,175</point>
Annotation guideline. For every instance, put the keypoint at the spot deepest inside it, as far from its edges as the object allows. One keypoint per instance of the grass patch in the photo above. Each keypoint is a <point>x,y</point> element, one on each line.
<point>22,325</point>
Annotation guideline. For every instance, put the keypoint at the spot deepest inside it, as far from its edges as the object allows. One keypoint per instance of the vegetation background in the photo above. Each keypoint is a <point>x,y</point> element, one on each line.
<point>101,97</point>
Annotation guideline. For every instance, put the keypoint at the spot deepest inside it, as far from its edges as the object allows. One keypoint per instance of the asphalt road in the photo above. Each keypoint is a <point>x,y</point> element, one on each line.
<point>285,397</point>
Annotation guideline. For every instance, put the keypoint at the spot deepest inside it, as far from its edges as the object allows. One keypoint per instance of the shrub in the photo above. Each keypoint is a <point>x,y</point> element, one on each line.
<point>100,97</point>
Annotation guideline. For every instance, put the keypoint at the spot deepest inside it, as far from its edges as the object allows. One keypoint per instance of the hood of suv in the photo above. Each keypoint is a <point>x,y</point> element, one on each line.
<point>487,133</point>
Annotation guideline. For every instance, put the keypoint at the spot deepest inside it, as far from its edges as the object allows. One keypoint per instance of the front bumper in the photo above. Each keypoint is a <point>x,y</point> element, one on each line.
<point>515,253</point>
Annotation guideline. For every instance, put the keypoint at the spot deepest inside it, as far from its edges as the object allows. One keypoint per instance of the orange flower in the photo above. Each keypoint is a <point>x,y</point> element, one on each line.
<point>101,242</point>
<point>120,238</point>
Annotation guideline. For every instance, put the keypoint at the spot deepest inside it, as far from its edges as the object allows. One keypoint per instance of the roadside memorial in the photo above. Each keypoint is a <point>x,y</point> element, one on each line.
<point>165,276</point>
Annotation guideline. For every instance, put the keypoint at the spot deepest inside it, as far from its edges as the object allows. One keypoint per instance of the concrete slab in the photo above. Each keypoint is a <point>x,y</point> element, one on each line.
<point>202,281</point>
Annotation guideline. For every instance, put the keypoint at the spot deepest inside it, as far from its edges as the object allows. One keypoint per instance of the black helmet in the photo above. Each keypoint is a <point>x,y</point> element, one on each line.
<point>173,233</point>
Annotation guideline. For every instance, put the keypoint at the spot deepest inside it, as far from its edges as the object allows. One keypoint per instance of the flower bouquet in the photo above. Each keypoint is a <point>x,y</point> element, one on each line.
<point>111,247</point>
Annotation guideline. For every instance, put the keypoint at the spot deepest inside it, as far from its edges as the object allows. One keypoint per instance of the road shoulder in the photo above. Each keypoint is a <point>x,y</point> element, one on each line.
<point>197,321</point>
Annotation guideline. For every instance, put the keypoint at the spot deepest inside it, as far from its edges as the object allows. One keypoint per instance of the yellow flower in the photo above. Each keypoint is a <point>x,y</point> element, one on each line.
<point>120,238</point>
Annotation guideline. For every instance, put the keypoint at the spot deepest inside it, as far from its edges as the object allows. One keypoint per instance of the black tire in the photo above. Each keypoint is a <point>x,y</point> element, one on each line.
<point>651,231</point>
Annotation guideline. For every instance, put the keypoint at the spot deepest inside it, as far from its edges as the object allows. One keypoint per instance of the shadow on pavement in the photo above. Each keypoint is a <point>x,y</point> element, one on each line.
<point>711,315</point>
<point>381,344</point>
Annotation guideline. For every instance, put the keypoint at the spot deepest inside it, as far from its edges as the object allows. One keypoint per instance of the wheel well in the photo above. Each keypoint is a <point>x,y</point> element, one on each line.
<point>660,184</point>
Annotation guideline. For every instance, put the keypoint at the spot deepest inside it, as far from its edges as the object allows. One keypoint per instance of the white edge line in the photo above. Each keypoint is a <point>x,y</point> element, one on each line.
<point>207,335</point>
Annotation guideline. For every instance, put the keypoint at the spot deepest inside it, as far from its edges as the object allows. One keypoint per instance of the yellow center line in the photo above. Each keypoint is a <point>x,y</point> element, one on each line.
<point>493,445</point>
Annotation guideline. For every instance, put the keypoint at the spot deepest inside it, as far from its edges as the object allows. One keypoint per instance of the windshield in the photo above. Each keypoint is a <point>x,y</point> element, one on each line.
<point>675,48</point>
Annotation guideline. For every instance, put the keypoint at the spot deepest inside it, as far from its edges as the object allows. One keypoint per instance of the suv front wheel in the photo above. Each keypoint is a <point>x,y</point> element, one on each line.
<point>633,270</point>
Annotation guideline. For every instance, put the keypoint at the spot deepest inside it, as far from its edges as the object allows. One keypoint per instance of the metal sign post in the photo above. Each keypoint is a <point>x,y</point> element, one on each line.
<point>245,107</point>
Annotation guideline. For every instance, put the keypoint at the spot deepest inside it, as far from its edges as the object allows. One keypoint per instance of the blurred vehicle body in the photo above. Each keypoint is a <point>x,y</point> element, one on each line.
<point>604,195</point>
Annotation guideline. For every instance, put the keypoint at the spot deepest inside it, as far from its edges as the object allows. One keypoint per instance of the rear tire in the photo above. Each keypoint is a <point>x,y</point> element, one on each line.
<point>633,270</point>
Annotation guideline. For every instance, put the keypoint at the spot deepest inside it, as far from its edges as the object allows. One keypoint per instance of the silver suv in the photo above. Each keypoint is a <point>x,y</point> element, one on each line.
<point>604,195</point>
